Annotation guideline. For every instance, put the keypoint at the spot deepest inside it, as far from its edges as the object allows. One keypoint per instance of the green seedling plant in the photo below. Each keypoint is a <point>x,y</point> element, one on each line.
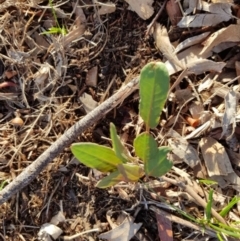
<point>153,88</point>
<point>55,30</point>
<point>221,228</point>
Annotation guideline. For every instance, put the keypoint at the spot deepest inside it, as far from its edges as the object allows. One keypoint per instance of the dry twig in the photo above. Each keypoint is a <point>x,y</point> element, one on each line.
<point>65,140</point>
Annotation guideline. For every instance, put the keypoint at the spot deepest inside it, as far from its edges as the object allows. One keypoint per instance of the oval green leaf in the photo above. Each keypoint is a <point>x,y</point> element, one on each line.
<point>154,86</point>
<point>145,147</point>
<point>96,156</point>
<point>159,165</point>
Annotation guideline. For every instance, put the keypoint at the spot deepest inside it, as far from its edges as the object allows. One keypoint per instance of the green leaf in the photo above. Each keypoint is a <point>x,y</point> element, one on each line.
<point>131,172</point>
<point>126,173</point>
<point>145,147</point>
<point>111,180</point>
<point>155,159</point>
<point>96,156</point>
<point>159,165</point>
<point>120,150</point>
<point>227,209</point>
<point>55,30</point>
<point>154,86</point>
<point>209,206</point>
<point>3,184</point>
<point>207,182</point>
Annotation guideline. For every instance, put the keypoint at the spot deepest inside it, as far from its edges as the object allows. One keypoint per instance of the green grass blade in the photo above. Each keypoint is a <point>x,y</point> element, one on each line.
<point>226,209</point>
<point>207,182</point>
<point>3,184</point>
<point>219,236</point>
<point>209,206</point>
<point>225,231</point>
<point>154,86</point>
<point>96,156</point>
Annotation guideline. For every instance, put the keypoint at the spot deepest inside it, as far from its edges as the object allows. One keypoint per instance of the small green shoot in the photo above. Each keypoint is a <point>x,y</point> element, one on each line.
<point>58,29</point>
<point>227,209</point>
<point>4,183</point>
<point>208,209</point>
<point>154,86</point>
<point>207,182</point>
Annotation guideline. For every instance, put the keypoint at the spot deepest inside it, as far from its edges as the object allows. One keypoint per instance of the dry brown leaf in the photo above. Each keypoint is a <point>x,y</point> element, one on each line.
<point>196,62</point>
<point>88,102</point>
<point>206,83</point>
<point>124,232</point>
<point>228,34</point>
<point>143,8</point>
<point>49,231</point>
<point>183,149</point>
<point>164,45</point>
<point>191,41</point>
<point>203,65</point>
<point>173,11</point>
<point>217,13</point>
<point>228,120</point>
<point>106,8</point>
<point>91,78</point>
<point>215,157</point>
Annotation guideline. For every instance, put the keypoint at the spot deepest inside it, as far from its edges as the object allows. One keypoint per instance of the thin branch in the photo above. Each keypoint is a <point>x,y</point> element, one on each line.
<point>155,18</point>
<point>66,139</point>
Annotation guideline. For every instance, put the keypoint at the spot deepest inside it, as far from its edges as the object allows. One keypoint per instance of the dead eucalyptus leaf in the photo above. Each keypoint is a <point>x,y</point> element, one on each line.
<point>164,45</point>
<point>88,102</point>
<point>228,34</point>
<point>143,8</point>
<point>229,114</point>
<point>216,13</point>
<point>124,232</point>
<point>183,149</point>
<point>215,157</point>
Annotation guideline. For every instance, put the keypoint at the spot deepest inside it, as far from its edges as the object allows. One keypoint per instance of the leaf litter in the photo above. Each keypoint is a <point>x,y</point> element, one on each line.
<point>44,78</point>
